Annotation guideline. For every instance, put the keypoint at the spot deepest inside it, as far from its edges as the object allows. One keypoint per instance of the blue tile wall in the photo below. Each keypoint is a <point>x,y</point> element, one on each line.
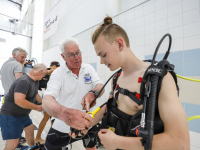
<point>192,69</point>
<point>178,69</point>
<point>176,57</point>
<point>193,110</point>
<point>187,63</point>
<point>94,65</point>
<point>191,56</point>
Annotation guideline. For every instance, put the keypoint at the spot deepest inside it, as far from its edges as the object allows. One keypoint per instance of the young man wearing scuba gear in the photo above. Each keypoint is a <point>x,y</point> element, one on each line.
<point>68,86</point>
<point>111,44</point>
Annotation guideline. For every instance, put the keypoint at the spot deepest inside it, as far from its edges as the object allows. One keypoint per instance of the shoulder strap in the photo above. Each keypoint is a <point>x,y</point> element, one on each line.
<point>115,78</point>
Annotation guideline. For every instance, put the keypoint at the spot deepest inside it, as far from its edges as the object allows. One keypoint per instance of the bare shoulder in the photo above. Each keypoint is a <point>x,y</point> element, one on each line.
<point>172,112</point>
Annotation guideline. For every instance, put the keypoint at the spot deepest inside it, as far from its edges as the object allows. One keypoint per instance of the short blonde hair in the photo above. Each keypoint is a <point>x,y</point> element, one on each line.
<point>110,31</point>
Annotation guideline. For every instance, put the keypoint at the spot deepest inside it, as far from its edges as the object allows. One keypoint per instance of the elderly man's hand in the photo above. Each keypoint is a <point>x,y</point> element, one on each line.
<point>75,118</point>
<point>87,100</point>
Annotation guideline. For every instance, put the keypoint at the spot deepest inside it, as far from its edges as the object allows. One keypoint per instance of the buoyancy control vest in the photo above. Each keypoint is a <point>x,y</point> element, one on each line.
<point>124,124</point>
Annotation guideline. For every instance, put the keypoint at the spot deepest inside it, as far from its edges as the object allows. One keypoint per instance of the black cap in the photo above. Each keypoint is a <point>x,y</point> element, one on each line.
<point>57,64</point>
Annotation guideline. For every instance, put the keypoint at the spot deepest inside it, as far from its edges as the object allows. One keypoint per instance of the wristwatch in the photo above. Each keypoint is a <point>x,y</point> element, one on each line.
<point>95,93</point>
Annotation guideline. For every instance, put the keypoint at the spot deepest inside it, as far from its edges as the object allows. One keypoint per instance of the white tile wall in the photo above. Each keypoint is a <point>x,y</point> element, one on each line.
<point>171,2</point>
<point>131,25</point>
<point>139,22</point>
<point>177,45</point>
<point>150,18</point>
<point>191,29</point>
<point>139,41</point>
<point>194,140</point>
<point>190,5</point>
<point>149,49</point>
<point>161,14</point>
<point>130,15</point>
<point>160,4</point>
<point>150,39</point>
<point>161,25</point>
<point>139,12</point>
<point>149,8</point>
<point>176,32</point>
<point>191,16</point>
<point>139,51</point>
<point>192,42</point>
<point>139,31</point>
<point>150,28</point>
<point>175,21</point>
<point>175,9</point>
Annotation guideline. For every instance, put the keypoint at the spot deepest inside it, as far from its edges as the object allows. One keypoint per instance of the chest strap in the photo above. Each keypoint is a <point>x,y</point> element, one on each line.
<point>132,95</point>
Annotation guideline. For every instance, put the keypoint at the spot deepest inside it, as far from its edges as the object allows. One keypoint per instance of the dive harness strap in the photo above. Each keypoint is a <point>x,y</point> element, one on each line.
<point>133,95</point>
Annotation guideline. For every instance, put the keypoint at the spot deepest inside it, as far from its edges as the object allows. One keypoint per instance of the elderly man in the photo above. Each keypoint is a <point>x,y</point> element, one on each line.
<point>14,115</point>
<point>69,84</point>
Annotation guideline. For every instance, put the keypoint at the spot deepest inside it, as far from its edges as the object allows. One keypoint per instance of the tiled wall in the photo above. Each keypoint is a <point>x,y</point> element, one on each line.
<point>145,25</point>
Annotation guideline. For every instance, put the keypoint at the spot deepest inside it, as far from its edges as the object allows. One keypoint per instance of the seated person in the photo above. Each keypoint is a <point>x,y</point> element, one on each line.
<point>111,44</point>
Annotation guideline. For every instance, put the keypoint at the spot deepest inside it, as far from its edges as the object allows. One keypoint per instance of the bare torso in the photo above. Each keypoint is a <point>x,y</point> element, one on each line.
<point>129,82</point>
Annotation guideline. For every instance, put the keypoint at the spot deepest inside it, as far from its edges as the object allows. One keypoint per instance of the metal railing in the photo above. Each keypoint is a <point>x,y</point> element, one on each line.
<point>15,26</point>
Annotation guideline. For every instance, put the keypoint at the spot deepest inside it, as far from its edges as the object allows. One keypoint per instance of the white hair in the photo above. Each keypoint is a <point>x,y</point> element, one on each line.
<point>66,41</point>
<point>18,50</point>
<point>39,67</point>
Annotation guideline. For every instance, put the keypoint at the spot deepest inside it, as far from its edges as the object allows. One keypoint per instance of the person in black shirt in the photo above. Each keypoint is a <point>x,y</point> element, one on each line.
<point>14,114</point>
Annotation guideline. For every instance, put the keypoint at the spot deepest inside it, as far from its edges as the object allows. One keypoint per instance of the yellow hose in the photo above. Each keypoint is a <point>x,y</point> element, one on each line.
<point>193,117</point>
<point>190,79</point>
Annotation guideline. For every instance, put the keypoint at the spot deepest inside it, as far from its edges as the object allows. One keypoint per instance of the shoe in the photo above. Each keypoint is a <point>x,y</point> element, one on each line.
<point>22,140</point>
<point>21,147</point>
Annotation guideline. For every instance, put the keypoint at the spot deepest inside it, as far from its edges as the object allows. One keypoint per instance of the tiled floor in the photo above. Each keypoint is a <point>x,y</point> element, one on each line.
<point>37,116</point>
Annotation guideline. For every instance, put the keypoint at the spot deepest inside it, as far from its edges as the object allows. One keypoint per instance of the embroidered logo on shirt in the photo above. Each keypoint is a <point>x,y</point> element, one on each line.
<point>87,78</point>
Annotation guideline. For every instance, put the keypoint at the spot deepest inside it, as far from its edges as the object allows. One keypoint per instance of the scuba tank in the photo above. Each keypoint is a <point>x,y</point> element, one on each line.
<point>28,66</point>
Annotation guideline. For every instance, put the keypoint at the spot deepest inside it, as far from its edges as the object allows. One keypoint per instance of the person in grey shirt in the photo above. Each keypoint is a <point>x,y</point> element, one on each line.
<point>10,71</point>
<point>12,68</point>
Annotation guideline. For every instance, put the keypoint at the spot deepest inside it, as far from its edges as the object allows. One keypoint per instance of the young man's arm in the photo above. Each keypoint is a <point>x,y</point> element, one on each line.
<point>22,102</point>
<point>176,133</point>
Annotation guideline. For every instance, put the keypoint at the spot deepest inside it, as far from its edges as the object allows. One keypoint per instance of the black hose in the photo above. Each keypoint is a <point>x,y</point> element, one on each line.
<point>158,46</point>
<point>151,104</point>
<point>101,90</point>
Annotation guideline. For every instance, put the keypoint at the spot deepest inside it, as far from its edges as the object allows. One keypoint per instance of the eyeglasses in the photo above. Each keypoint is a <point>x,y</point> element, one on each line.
<point>72,55</point>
